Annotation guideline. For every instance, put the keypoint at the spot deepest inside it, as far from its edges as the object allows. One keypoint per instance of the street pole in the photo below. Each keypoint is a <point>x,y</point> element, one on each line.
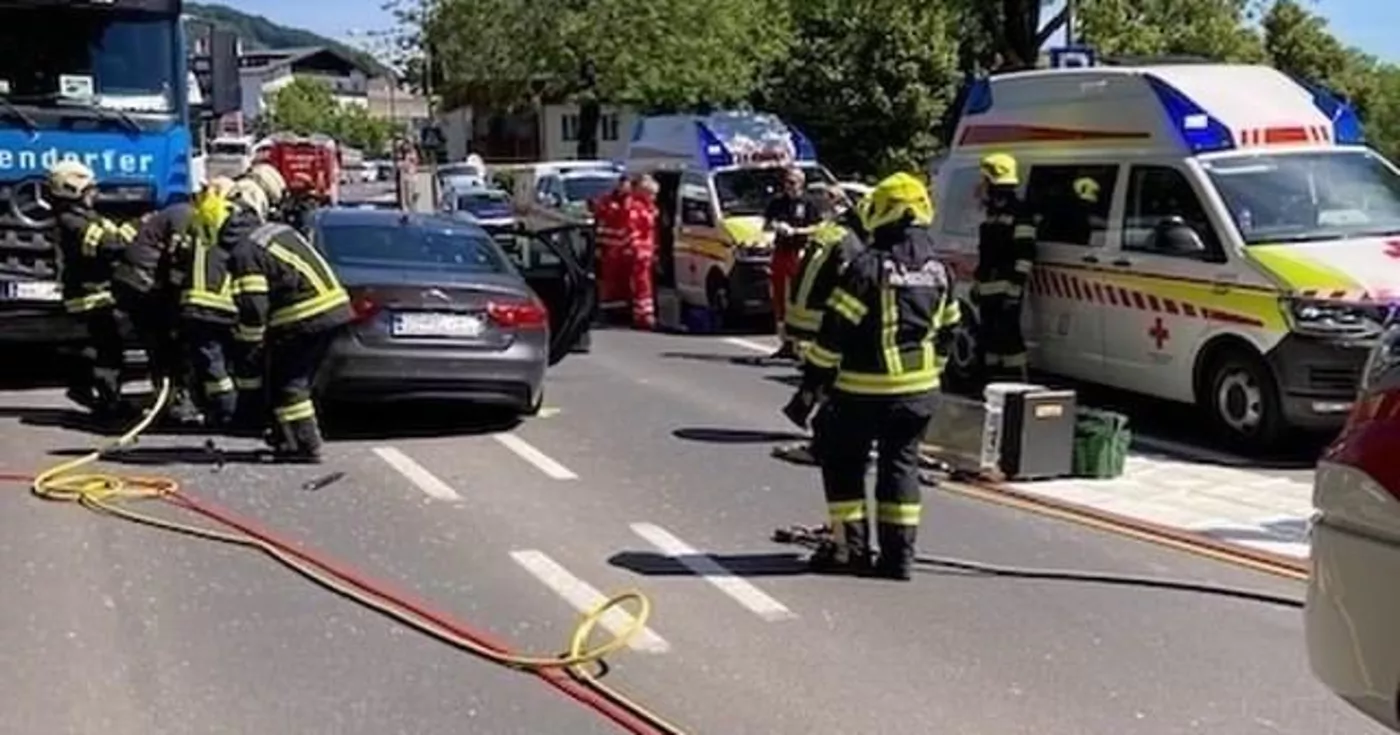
<point>1071,7</point>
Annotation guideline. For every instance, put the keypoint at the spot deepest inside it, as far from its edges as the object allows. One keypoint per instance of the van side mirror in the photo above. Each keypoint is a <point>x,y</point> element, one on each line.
<point>1172,235</point>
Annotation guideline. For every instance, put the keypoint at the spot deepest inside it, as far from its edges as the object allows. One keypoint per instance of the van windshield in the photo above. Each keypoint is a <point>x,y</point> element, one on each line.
<point>1307,197</point>
<point>745,192</point>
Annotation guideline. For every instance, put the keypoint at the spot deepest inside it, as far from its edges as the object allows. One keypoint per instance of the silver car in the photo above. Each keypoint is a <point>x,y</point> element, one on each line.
<point>446,311</point>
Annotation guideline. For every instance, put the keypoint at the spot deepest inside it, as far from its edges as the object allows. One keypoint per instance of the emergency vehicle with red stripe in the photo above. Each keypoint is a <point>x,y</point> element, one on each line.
<point>1210,234</point>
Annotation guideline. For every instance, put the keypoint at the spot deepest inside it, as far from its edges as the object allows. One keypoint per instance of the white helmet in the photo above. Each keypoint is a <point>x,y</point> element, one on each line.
<point>271,181</point>
<point>251,194</point>
<point>69,179</point>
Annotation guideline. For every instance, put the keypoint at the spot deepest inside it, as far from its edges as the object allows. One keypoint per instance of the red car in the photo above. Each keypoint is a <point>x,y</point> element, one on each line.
<point>1353,608</point>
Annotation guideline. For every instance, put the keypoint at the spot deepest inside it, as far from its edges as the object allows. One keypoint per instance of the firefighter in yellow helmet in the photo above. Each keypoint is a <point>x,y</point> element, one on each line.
<point>291,306</point>
<point>876,362</point>
<point>88,248</point>
<point>1005,255</point>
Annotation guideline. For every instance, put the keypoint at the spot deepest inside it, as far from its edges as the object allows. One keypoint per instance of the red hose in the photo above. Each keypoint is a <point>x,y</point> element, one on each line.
<point>555,678</point>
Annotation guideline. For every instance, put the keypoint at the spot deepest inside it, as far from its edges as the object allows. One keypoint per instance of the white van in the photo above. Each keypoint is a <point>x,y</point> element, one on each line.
<point>1242,252</point>
<point>717,174</point>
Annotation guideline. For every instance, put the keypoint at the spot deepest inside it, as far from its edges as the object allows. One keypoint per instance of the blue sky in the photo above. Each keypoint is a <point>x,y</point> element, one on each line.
<point>1369,24</point>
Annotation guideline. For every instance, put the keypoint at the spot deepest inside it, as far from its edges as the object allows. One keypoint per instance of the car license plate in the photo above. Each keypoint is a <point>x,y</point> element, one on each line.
<point>32,291</point>
<point>437,325</point>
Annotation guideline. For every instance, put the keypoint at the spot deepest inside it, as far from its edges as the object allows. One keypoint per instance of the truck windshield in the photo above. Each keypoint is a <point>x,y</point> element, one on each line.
<point>1307,197</point>
<point>127,61</point>
<point>745,192</point>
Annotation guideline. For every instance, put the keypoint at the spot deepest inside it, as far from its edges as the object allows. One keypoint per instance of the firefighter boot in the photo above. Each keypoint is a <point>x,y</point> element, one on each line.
<point>300,442</point>
<point>896,560</point>
<point>848,551</point>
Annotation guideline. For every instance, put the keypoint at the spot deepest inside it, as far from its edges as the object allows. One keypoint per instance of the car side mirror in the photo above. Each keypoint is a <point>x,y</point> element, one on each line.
<point>1172,235</point>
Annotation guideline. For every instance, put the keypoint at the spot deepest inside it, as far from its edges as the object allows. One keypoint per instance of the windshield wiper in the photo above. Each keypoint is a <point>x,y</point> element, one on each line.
<point>105,113</point>
<point>14,111</point>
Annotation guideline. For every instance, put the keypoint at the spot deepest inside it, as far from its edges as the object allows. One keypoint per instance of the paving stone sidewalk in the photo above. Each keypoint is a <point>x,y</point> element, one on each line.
<point>1260,509</point>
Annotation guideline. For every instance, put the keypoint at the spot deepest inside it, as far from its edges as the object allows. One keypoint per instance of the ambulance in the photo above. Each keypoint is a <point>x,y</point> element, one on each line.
<point>1211,234</point>
<point>717,174</point>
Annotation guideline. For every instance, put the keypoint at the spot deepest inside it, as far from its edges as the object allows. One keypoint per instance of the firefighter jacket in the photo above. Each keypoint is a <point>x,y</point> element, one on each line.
<point>200,275</point>
<point>882,322</point>
<point>830,249</point>
<point>1005,249</point>
<point>148,262</point>
<point>281,283</point>
<point>89,246</point>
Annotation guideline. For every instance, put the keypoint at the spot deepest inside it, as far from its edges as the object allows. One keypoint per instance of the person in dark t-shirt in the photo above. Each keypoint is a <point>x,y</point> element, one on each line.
<point>791,215</point>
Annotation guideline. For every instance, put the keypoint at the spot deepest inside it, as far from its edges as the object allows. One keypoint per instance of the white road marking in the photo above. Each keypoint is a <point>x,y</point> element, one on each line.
<point>585,599</point>
<point>543,462</point>
<point>749,344</point>
<point>709,569</point>
<point>548,412</point>
<point>416,474</point>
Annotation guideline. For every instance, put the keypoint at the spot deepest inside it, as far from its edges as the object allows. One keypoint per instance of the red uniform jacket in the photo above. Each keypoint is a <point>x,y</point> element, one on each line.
<point>641,225</point>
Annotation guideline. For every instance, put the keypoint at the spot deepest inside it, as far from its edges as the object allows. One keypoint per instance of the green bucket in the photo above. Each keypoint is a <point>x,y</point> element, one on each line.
<point>1101,440</point>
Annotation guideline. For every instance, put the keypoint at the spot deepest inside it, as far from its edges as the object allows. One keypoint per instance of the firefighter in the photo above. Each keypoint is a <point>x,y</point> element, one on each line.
<point>1005,256</point>
<point>610,214</point>
<point>876,362</point>
<point>791,216</point>
<point>640,251</point>
<point>146,284</point>
<point>290,301</point>
<point>301,202</point>
<point>89,246</point>
<point>832,247</point>
<point>206,310</point>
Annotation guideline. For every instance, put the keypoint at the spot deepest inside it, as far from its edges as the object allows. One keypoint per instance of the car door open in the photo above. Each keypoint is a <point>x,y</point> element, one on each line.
<point>553,264</point>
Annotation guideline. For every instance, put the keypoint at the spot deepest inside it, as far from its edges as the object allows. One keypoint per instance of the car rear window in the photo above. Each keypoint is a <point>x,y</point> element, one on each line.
<point>378,246</point>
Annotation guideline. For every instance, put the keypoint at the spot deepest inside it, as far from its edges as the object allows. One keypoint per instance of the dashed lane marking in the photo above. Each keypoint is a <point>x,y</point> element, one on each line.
<point>416,474</point>
<point>749,344</point>
<point>585,598</point>
<point>708,568</point>
<point>527,451</point>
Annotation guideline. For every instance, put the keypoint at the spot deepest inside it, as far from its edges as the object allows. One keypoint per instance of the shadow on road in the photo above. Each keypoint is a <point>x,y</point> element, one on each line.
<point>725,359</point>
<point>651,564</point>
<point>345,422</point>
<point>736,436</point>
<point>186,455</point>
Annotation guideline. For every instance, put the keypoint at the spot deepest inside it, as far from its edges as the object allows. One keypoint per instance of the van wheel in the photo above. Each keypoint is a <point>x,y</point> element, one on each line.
<point>964,366</point>
<point>1242,398</point>
<point>719,299</point>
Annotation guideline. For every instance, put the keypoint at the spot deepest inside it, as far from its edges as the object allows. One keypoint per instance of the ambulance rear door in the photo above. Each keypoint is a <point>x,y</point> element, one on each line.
<point>1168,274</point>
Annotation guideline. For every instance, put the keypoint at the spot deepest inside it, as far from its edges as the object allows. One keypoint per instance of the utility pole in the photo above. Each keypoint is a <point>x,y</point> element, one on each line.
<point>1071,9</point>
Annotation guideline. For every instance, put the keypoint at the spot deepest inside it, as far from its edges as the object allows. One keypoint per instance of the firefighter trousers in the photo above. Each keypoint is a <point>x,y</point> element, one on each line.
<point>845,430</point>
<point>1003,344</point>
<point>97,374</point>
<point>154,320</point>
<point>293,361</point>
<point>205,342</point>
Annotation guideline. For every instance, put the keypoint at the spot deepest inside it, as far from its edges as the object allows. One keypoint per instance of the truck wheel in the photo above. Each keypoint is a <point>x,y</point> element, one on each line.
<point>1242,398</point>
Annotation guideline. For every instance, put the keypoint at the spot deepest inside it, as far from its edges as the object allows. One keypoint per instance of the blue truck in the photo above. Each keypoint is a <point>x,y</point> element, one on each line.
<point>105,82</point>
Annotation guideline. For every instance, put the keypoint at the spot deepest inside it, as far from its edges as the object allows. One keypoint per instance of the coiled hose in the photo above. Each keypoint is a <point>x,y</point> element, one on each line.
<point>582,661</point>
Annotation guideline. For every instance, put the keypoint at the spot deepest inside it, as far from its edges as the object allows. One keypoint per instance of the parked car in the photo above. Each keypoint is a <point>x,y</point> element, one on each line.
<point>486,206</point>
<point>1353,600</point>
<point>445,311</point>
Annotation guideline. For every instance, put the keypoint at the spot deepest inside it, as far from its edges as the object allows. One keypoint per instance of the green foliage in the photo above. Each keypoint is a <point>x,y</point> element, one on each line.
<point>869,81</point>
<point>259,32</point>
<point>307,106</point>
<point>1212,29</point>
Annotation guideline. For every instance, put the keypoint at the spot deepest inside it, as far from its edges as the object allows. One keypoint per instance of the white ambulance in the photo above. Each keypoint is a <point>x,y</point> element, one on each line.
<point>1212,234</point>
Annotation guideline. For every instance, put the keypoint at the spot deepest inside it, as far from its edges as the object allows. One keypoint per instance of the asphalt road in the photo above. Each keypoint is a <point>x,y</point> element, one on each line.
<point>654,448</point>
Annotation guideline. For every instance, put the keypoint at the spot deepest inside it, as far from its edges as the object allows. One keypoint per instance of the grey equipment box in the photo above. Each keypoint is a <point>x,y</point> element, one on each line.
<point>1037,434</point>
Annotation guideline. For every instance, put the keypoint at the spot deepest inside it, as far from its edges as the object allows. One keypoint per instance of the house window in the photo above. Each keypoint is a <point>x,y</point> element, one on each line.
<point>607,127</point>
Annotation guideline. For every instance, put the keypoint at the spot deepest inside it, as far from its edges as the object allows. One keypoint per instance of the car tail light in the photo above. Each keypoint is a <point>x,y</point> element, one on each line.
<point>364,307</point>
<point>524,314</point>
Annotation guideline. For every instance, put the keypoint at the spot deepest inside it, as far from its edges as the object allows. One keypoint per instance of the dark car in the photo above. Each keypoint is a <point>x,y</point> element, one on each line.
<point>446,311</point>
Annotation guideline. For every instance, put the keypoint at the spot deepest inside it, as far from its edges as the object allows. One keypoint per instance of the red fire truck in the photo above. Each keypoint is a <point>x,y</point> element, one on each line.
<point>307,163</point>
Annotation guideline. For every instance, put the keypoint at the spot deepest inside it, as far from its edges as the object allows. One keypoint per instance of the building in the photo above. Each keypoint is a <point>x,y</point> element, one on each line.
<point>547,133</point>
<point>389,101</point>
<point>264,71</point>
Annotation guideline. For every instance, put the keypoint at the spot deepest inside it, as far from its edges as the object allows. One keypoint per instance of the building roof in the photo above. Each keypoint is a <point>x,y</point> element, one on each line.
<point>266,59</point>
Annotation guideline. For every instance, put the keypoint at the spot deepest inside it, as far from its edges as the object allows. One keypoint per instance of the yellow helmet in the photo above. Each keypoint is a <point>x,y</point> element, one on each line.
<point>895,198</point>
<point>212,207</point>
<point>999,169</point>
<point>69,179</point>
<point>250,193</point>
<point>1086,189</point>
<point>274,186</point>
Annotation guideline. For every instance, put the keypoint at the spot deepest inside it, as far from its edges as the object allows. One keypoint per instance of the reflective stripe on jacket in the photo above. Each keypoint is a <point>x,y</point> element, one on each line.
<point>282,283</point>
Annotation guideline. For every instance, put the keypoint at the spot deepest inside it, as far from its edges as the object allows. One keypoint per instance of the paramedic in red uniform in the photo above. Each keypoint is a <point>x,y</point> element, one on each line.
<point>791,215</point>
<point>641,251</point>
<point>610,216</point>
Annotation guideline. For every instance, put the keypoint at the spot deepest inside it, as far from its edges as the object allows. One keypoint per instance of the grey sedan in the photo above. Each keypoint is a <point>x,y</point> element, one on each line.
<point>445,311</point>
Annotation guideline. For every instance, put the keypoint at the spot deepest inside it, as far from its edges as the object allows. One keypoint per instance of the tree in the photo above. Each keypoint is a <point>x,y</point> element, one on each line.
<point>1212,29</point>
<point>308,106</point>
<point>868,81</point>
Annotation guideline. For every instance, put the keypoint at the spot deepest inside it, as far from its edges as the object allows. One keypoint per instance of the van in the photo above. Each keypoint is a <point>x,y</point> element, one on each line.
<point>1211,234</point>
<point>717,174</point>
<point>559,191</point>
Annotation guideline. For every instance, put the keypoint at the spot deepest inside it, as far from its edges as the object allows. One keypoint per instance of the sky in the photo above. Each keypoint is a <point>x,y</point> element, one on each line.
<point>1369,24</point>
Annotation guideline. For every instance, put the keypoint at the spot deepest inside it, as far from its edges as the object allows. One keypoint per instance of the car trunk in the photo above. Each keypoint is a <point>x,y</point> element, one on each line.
<point>414,309</point>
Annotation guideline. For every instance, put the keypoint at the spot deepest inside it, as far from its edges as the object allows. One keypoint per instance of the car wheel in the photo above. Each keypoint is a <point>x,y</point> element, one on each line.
<point>1242,399</point>
<point>534,408</point>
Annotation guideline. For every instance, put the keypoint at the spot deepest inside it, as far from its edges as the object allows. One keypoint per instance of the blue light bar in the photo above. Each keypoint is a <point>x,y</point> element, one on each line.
<point>802,145</point>
<point>1198,130</point>
<point>979,98</point>
<point>714,153</point>
<point>1346,124</point>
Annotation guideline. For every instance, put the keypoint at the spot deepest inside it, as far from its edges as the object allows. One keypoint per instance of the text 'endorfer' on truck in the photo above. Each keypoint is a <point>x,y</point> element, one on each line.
<point>104,82</point>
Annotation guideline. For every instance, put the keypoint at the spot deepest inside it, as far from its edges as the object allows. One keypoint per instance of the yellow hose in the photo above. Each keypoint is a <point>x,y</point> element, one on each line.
<point>105,492</point>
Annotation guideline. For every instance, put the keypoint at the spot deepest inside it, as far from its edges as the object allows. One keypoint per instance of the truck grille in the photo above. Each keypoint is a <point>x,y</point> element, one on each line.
<point>1340,380</point>
<point>27,251</point>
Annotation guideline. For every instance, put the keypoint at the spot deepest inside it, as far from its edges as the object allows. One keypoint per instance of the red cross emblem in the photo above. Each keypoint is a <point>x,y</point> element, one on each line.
<point>1159,333</point>
<point>1392,249</point>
